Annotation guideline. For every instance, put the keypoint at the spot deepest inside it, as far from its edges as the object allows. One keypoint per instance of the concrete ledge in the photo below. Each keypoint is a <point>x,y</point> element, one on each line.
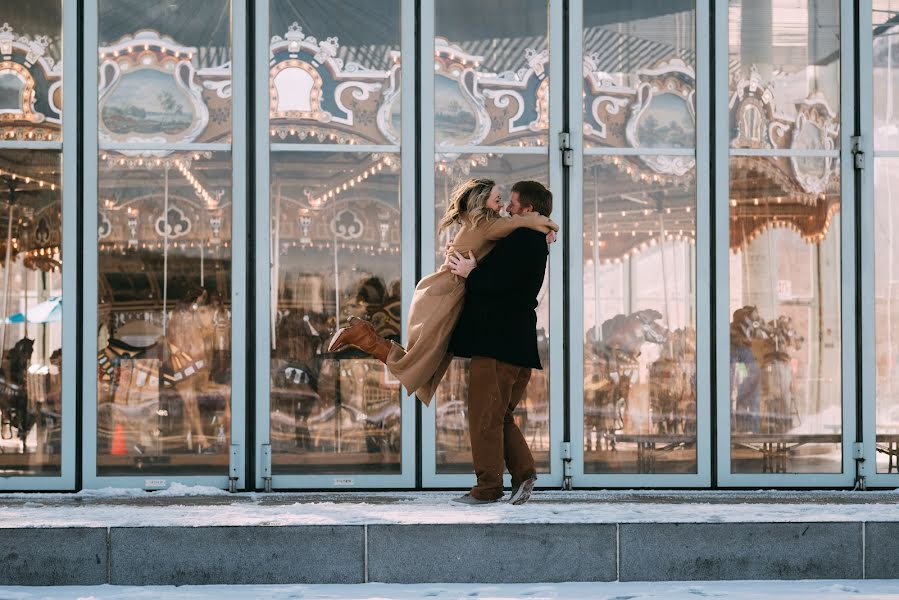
<point>720,551</point>
<point>881,550</point>
<point>235,555</point>
<point>65,556</point>
<point>492,553</point>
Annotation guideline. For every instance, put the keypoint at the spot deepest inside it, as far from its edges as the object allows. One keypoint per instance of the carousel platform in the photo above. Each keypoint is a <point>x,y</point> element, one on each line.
<point>205,536</point>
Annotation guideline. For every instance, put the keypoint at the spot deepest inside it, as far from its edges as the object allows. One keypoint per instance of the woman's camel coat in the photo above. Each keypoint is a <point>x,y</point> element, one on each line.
<point>437,303</point>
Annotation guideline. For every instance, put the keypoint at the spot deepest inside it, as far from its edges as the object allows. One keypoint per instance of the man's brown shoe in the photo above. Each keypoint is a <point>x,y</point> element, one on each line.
<point>360,334</point>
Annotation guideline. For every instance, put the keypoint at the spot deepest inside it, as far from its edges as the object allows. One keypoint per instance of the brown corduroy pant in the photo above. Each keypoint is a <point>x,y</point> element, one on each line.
<point>495,388</point>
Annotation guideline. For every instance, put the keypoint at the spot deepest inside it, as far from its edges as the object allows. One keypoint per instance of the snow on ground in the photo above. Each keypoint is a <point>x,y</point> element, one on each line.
<point>724,590</point>
<point>193,507</point>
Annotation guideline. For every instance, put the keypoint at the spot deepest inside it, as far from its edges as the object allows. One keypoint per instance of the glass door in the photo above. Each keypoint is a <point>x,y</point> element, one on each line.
<point>38,221</point>
<point>164,245</point>
<point>639,106</point>
<point>879,66</point>
<point>785,220</point>
<point>335,226</point>
<point>492,107</point>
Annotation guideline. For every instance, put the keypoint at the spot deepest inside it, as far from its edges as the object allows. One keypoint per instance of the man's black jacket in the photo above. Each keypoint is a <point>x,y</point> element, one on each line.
<point>498,318</point>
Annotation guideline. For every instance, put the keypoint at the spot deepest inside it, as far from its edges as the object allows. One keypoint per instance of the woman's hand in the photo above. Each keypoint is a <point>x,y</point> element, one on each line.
<point>461,266</point>
<point>551,237</point>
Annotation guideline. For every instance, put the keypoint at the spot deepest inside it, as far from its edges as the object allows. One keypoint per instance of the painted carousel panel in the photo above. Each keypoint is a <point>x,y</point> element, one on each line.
<point>31,344</point>
<point>491,74</point>
<point>784,65</point>
<point>639,75</point>
<point>785,315</point>
<point>532,415</point>
<point>164,295</point>
<point>31,72</point>
<point>336,72</point>
<point>639,299</point>
<point>886,311</point>
<point>164,72</point>
<point>336,241</point>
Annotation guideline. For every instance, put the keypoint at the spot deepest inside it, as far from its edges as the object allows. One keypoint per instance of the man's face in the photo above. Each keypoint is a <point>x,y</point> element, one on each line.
<point>515,207</point>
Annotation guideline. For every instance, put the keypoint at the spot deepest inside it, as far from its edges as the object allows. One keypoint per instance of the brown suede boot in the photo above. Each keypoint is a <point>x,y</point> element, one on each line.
<point>360,334</point>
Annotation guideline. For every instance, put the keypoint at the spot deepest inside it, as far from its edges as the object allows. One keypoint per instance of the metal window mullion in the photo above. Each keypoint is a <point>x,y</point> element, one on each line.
<point>357,148</point>
<point>427,219</point>
<point>239,235</point>
<point>703,289</point>
<point>177,147</point>
<point>782,152</point>
<point>721,240</point>
<point>603,151</point>
<point>47,145</point>
<point>491,149</point>
<point>409,208</point>
<point>90,180</point>
<point>262,230</point>
<point>576,247</point>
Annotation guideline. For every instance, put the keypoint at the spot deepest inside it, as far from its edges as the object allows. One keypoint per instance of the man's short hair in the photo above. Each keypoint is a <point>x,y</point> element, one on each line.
<point>535,195</point>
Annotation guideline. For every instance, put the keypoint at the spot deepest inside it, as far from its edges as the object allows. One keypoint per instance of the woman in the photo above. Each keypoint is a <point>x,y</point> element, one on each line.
<point>437,302</point>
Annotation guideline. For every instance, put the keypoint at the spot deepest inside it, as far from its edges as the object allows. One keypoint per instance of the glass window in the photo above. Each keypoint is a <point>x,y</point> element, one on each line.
<point>336,235</point>
<point>639,233</point>
<point>164,238</point>
<point>785,338</point>
<point>491,90</point>
<point>886,232</point>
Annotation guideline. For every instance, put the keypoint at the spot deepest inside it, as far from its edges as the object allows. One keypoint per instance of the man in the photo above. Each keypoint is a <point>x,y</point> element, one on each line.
<point>497,330</point>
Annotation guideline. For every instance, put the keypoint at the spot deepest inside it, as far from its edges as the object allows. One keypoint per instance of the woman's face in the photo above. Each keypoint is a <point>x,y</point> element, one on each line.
<point>495,201</point>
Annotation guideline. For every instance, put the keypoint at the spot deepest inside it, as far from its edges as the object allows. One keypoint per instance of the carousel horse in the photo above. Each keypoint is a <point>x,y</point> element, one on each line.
<point>672,385</point>
<point>613,361</point>
<point>779,410</point>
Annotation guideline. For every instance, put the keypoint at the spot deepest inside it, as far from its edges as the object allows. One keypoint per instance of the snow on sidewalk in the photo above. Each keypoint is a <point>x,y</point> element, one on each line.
<point>725,590</point>
<point>203,506</point>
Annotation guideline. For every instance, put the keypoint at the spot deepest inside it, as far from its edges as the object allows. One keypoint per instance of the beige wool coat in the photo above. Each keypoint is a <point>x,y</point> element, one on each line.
<point>437,304</point>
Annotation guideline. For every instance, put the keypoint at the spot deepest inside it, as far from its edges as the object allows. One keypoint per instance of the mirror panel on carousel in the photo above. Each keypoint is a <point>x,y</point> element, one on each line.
<point>336,235</point>
<point>639,234</point>
<point>164,239</point>
<point>785,282</point>
<point>886,231</point>
<point>31,233</point>
<point>491,90</point>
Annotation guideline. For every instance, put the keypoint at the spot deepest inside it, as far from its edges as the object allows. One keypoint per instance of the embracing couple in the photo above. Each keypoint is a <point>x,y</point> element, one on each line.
<point>480,304</point>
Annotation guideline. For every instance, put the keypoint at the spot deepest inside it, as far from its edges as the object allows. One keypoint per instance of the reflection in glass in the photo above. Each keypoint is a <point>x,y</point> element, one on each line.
<point>785,342</point>
<point>491,74</point>
<point>336,73</point>
<point>790,52</point>
<point>164,71</point>
<point>453,444</point>
<point>31,71</point>
<point>336,254</point>
<point>886,72</point>
<point>639,317</point>
<point>639,75</point>
<point>31,320</point>
<point>164,294</point>
<point>886,311</point>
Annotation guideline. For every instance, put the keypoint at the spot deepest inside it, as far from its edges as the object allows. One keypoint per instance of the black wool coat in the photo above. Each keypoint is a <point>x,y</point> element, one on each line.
<point>498,319</point>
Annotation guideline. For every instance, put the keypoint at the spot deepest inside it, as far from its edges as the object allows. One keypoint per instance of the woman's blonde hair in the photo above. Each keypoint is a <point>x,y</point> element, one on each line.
<point>469,197</point>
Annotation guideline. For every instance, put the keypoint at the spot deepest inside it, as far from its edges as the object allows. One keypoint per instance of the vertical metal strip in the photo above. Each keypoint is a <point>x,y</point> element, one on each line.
<point>409,207</point>
<point>238,230</point>
<point>703,289</point>
<point>721,235</point>
<point>426,207</point>
<point>89,247</point>
<point>262,227</point>
<point>866,206</point>
<point>575,235</point>
<point>556,330</point>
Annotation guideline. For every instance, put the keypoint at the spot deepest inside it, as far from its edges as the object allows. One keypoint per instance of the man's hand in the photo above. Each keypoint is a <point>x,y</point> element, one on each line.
<point>460,265</point>
<point>551,237</point>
